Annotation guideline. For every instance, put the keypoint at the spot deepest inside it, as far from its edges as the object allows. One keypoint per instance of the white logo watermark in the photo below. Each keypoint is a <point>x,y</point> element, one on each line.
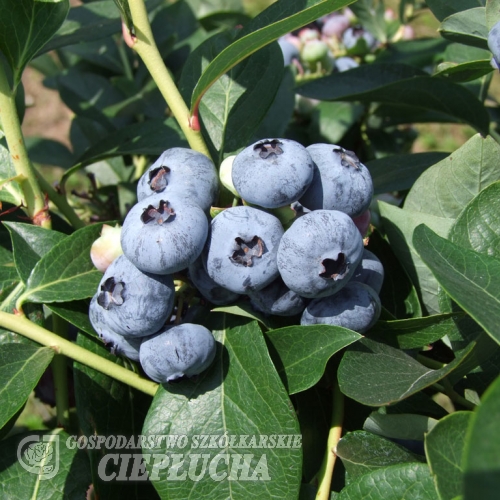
<point>164,457</point>
<point>39,455</point>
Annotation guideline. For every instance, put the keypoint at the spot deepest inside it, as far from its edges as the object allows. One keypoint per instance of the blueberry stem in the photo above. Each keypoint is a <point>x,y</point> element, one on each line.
<point>34,200</point>
<point>24,327</point>
<point>324,476</point>
<point>146,48</point>
<point>60,375</point>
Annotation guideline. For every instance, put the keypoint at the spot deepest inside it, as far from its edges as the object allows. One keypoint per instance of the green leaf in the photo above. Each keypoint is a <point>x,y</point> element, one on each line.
<point>414,333</point>
<point>481,459</point>
<point>151,137</point>
<point>445,8</point>
<point>21,367</point>
<point>66,272</point>
<point>409,481</point>
<point>30,243</point>
<point>376,374</point>
<point>467,27</point>
<point>464,72</point>
<point>400,84</point>
<point>107,407</point>
<point>371,17</point>
<point>362,452</point>
<point>280,18</point>
<point>240,394</point>
<point>478,226</point>
<point>468,277</point>
<point>86,23</point>
<point>303,351</point>
<point>245,310</point>
<point>71,465</point>
<point>10,191</point>
<point>49,152</point>
<point>492,13</point>
<point>25,27</point>
<point>399,172</point>
<point>444,448</point>
<point>421,52</point>
<point>76,313</point>
<point>399,225</point>
<point>233,107</point>
<point>399,426</point>
<point>447,187</point>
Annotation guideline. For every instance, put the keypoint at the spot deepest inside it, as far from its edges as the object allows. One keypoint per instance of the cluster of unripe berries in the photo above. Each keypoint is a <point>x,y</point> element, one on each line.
<point>316,266</point>
<point>333,42</point>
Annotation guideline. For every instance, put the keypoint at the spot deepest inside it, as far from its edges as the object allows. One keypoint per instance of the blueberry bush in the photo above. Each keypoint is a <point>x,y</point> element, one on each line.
<point>297,284</point>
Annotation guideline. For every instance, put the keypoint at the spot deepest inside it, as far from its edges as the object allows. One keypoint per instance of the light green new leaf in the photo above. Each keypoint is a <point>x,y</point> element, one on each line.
<point>25,27</point>
<point>239,395</point>
<point>478,226</point>
<point>468,277</point>
<point>481,459</point>
<point>444,189</point>
<point>303,352</point>
<point>66,272</point>
<point>444,447</point>
<point>280,18</point>
<point>409,481</point>
<point>21,367</point>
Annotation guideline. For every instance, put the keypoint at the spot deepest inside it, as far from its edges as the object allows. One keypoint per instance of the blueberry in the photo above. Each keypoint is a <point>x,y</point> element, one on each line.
<point>121,346</point>
<point>494,43</point>
<point>241,249</point>
<point>290,51</point>
<point>345,63</point>
<point>356,307</point>
<point>335,25</point>
<point>184,172</point>
<point>180,351</point>
<point>277,299</point>
<point>130,302</point>
<point>272,173</point>
<point>340,182</point>
<point>319,253</point>
<point>370,271</point>
<point>207,286</point>
<point>164,235</point>
<point>356,34</point>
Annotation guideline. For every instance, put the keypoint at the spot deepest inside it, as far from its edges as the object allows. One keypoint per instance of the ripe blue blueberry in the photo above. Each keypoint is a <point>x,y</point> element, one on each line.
<point>241,249</point>
<point>130,302</point>
<point>340,182</point>
<point>277,299</point>
<point>345,63</point>
<point>290,51</point>
<point>370,271</point>
<point>355,34</point>
<point>164,235</point>
<point>319,253</point>
<point>272,173</point>
<point>494,43</point>
<point>207,286</point>
<point>184,172</point>
<point>356,307</point>
<point>181,351</point>
<point>121,346</point>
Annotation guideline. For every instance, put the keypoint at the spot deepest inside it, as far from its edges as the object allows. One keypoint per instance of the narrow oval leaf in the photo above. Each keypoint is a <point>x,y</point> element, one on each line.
<point>303,351</point>
<point>416,332</point>
<point>467,27</point>
<point>444,446</point>
<point>444,189</point>
<point>25,27</point>
<point>279,19</point>
<point>464,72</point>
<point>65,474</point>
<point>400,84</point>
<point>376,374</point>
<point>468,277</point>
<point>481,459</point>
<point>409,481</point>
<point>30,243</point>
<point>66,272</point>
<point>363,452</point>
<point>21,367</point>
<point>478,226</point>
<point>241,402</point>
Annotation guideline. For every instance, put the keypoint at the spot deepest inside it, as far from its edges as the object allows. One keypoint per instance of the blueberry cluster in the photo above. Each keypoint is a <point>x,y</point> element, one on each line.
<point>316,267</point>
